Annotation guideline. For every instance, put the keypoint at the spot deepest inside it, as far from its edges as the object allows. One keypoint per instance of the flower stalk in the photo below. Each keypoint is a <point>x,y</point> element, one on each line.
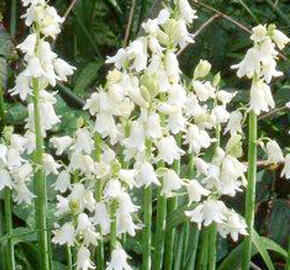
<point>251,189</point>
<point>40,183</point>
<point>147,210</point>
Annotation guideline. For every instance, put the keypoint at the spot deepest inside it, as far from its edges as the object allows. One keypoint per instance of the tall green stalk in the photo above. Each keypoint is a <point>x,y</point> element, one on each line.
<point>170,234</point>
<point>113,231</point>
<point>40,184</point>
<point>192,248</point>
<point>213,227</point>
<point>203,252</point>
<point>160,229</point>
<point>251,189</point>
<point>99,190</point>
<point>10,262</point>
<point>69,258</point>
<point>147,210</point>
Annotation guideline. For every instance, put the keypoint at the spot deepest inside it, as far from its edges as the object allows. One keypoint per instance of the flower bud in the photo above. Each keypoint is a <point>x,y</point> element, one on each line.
<point>234,146</point>
<point>202,69</point>
<point>216,79</point>
<point>145,93</point>
<point>114,76</point>
<point>116,167</point>
<point>150,81</point>
<point>170,28</point>
<point>7,132</point>
<point>74,206</point>
<point>163,38</point>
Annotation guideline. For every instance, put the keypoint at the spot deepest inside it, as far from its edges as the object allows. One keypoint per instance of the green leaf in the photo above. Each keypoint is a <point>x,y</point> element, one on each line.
<point>86,78</point>
<point>234,259</point>
<point>262,249</point>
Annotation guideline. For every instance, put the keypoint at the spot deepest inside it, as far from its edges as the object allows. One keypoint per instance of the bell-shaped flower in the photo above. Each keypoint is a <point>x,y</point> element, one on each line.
<point>102,217</point>
<point>186,12</point>
<point>62,183</point>
<point>234,124</point>
<point>171,182</point>
<point>146,174</point>
<point>275,154</point>
<point>195,190</point>
<point>280,39</point>
<point>63,69</point>
<point>168,150</point>
<point>50,165</point>
<point>172,67</point>
<point>61,144</point>
<point>286,170</point>
<point>22,193</point>
<point>118,260</point>
<point>65,235</point>
<point>83,259</point>
<point>5,179</point>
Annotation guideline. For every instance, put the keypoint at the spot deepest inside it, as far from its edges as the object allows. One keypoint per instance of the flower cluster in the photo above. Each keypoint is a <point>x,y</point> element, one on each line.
<point>43,68</point>
<point>260,64</point>
<point>15,170</point>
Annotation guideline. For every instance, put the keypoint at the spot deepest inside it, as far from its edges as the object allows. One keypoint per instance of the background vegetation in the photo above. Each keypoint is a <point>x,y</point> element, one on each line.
<point>96,28</point>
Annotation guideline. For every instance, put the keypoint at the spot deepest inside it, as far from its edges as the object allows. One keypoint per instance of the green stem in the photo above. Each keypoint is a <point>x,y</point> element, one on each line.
<point>192,249</point>
<point>69,258</point>
<point>10,264</point>
<point>147,210</point>
<point>170,233</point>
<point>147,204</point>
<point>251,189</point>
<point>99,191</point>
<point>203,252</point>
<point>2,232</point>
<point>179,250</point>
<point>2,106</point>
<point>40,183</point>
<point>13,19</point>
<point>213,227</point>
<point>160,229</point>
<point>212,247</point>
<point>185,230</point>
<point>113,232</point>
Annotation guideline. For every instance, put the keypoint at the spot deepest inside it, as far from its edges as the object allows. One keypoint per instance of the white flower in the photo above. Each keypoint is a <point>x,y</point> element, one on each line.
<point>118,260</point>
<point>202,69</point>
<point>204,91</point>
<point>82,162</point>
<point>18,142</point>
<point>171,182</point>
<point>274,152</point>
<point>280,39</point>
<point>13,158</point>
<point>125,223</point>
<point>261,97</point>
<point>201,166</point>
<point>5,179</point>
<point>172,67</point>
<point>22,193</point>
<point>234,125</point>
<point>233,225</point>
<point>225,97</point>
<point>136,138</point>
<point>92,104</point>
<point>102,217</point>
<point>112,189</point>
<point>28,45</point>
<point>30,141</point>
<point>50,165</point>
<point>259,33</point>
<point>64,235</point>
<point>163,16</point>
<point>22,86</point>
<point>176,121</point>
<point>187,13</point>
<point>208,212</point>
<point>146,174</point>
<point>119,59</point>
<point>62,206</point>
<point>249,65</point>
<point>195,190</point>
<point>153,127</point>
<point>62,183</point>
<point>33,68</point>
<point>87,230</point>
<point>286,170</point>
<point>220,114</point>
<point>63,69</point>
<point>168,149</point>
<point>83,141</point>
<point>196,138</point>
<point>128,177</point>
<point>137,51</point>
<point>61,143</point>
<point>83,259</point>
